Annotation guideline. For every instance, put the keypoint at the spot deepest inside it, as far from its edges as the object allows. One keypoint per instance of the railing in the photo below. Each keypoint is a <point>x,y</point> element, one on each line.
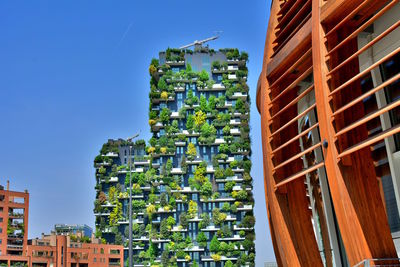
<point>390,262</point>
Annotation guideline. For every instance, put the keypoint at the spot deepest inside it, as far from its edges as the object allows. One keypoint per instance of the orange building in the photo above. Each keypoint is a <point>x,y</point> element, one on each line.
<point>329,100</point>
<point>60,250</point>
<point>51,250</point>
<point>14,209</point>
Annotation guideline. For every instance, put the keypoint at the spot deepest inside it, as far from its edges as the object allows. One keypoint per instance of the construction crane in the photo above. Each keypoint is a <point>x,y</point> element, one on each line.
<point>129,139</point>
<point>199,43</point>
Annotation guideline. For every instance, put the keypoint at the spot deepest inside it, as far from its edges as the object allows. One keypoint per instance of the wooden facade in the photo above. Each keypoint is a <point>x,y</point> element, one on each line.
<point>329,100</point>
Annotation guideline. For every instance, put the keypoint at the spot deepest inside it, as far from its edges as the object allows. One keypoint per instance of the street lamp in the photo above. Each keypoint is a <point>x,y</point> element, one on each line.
<point>130,264</point>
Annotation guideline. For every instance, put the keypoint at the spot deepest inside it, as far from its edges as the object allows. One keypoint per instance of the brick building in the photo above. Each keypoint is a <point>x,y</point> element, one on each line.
<point>70,250</point>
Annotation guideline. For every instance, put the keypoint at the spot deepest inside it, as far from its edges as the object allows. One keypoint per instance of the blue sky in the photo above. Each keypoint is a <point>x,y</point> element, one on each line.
<point>75,73</point>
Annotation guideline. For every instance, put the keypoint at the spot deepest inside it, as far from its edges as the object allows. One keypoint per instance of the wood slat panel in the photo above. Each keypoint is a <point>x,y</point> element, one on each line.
<point>369,117</point>
<point>292,85</point>
<point>367,94</point>
<point>367,70</point>
<point>299,175</point>
<point>297,137</point>
<point>370,141</point>
<point>297,156</point>
<point>293,120</point>
<point>362,27</point>
<point>364,48</point>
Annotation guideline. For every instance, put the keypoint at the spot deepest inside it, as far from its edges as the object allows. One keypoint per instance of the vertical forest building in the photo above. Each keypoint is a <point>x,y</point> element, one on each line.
<point>192,195</point>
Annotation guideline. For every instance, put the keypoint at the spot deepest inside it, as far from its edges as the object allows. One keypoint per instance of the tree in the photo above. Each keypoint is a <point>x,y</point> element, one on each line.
<point>247,165</point>
<point>194,264</point>
<point>219,173</point>
<point>203,76</point>
<point>224,148</point>
<point>165,258</point>
<point>199,174</point>
<point>202,239</point>
<point>229,172</point>
<point>214,244</point>
<point>205,222</point>
<point>216,65</point>
<point>203,103</point>
<point>102,197</point>
<point>152,250</point>
<point>248,221</point>
<point>218,217</point>
<point>163,199</point>
<point>171,222</point>
<point>102,170</point>
<point>208,134</point>
<point>151,209</point>
<point>164,95</point>
<point>162,85</point>
<point>118,239</point>
<point>239,106</point>
<point>211,103</point>
<point>228,264</point>
<point>164,231</point>
<point>229,185</point>
<point>226,130</point>
<point>164,115</point>
<point>206,189</point>
<point>116,214</point>
<point>244,56</point>
<point>190,122</point>
<point>192,211</point>
<point>152,69</point>
<point>183,220</point>
<point>241,195</point>
<point>199,118</point>
<point>191,151</point>
<point>168,166</point>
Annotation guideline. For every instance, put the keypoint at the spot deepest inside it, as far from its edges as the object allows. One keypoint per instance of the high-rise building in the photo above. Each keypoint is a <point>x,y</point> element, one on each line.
<point>329,101</point>
<point>66,229</point>
<point>192,201</point>
<point>14,210</point>
<point>116,158</point>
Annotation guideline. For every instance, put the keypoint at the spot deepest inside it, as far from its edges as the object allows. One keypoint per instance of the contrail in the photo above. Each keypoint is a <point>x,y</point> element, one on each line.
<point>123,37</point>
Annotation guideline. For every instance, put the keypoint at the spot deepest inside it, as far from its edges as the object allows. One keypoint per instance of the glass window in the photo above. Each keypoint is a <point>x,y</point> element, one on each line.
<point>175,70</point>
<point>392,92</point>
<point>179,96</point>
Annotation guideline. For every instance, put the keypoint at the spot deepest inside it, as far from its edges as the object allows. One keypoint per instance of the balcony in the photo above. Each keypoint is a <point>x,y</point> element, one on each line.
<point>232,76</point>
<point>176,171</point>
<point>111,154</point>
<point>210,228</point>
<point>235,131</point>
<point>234,122</point>
<point>218,86</point>
<point>15,247</point>
<point>233,67</point>
<point>233,238</point>
<point>113,180</point>
<point>175,115</point>
<point>241,95</point>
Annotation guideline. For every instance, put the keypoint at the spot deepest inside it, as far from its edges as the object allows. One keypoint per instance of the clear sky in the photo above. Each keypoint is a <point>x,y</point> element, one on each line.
<point>75,73</point>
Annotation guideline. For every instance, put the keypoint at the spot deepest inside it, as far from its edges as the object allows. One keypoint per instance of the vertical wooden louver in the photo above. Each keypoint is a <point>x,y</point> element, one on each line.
<point>323,141</point>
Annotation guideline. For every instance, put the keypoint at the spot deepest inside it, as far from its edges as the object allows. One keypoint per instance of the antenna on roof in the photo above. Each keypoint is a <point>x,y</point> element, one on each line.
<point>199,43</point>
